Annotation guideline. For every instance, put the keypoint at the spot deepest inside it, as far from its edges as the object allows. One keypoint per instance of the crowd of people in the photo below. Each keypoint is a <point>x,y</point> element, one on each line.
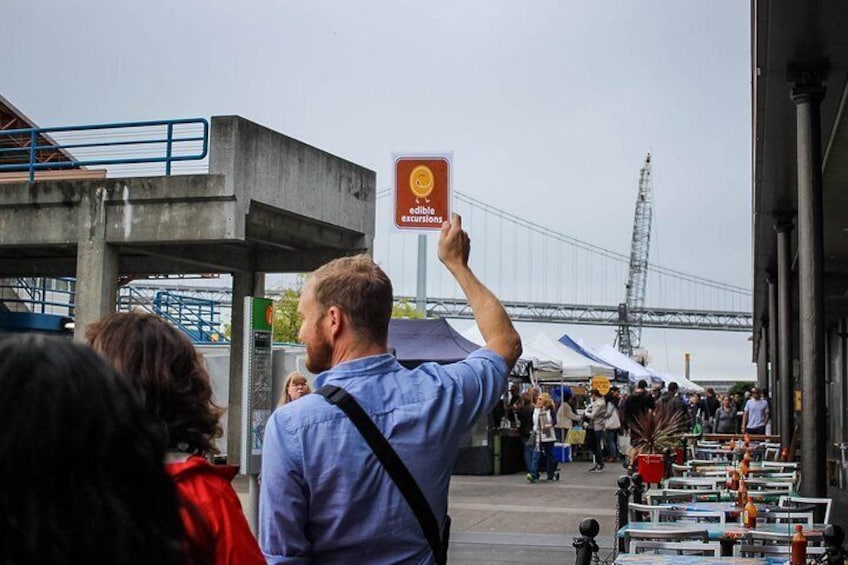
<point>607,421</point>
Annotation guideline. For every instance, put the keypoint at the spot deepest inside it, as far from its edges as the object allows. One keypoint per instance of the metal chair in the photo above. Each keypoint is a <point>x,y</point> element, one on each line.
<point>695,495</point>
<point>670,534</point>
<point>784,465</point>
<point>705,483</point>
<point>695,516</point>
<point>822,505</point>
<point>749,550</point>
<point>637,512</point>
<point>664,497</point>
<point>709,549</point>
<point>786,517</point>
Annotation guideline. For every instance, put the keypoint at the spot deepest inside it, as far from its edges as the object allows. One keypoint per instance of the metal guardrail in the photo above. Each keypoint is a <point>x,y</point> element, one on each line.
<point>197,318</point>
<point>165,140</point>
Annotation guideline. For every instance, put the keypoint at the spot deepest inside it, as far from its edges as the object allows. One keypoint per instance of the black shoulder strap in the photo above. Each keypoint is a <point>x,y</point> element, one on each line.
<point>395,467</point>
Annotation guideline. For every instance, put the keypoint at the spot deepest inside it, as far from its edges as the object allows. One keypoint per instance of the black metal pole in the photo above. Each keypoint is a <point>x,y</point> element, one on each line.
<point>638,488</point>
<point>621,507</point>
<point>585,545</point>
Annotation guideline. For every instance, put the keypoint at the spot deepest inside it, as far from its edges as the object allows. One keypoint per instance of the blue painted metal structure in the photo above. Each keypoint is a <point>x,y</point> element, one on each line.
<point>199,319</point>
<point>29,161</point>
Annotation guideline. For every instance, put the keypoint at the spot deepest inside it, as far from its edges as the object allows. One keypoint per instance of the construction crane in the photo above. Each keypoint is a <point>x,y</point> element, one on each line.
<point>629,312</point>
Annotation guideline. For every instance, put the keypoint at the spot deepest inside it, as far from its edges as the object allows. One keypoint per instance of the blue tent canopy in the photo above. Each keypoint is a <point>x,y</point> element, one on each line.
<point>420,341</point>
<point>620,374</point>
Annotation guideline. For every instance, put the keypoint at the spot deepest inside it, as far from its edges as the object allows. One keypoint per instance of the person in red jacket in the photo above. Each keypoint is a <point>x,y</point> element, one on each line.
<point>163,364</point>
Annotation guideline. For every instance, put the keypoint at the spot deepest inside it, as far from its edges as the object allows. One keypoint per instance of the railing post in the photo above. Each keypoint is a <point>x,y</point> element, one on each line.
<point>638,488</point>
<point>585,545</point>
<point>621,507</point>
<point>33,139</point>
<point>168,149</point>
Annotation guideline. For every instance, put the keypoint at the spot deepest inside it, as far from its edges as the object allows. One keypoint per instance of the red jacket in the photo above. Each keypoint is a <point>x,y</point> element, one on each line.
<point>207,488</point>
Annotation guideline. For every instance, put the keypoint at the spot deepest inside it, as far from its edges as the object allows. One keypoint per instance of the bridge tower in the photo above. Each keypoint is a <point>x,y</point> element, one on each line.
<point>630,312</point>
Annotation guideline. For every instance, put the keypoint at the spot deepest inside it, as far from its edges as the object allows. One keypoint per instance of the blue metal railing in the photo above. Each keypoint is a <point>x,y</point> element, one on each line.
<point>196,317</point>
<point>39,296</point>
<point>171,143</point>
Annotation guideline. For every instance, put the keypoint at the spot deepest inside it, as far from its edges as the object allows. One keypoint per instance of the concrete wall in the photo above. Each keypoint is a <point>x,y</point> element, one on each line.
<point>268,168</point>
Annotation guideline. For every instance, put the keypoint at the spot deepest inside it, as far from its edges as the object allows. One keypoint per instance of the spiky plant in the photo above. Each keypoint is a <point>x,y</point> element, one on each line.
<point>659,429</point>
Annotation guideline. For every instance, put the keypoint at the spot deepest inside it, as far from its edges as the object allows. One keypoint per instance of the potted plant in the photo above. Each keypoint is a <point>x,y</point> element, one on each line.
<point>652,434</point>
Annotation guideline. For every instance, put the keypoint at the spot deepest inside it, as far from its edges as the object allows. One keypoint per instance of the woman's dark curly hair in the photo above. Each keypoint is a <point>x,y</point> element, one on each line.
<point>163,363</point>
<point>80,462</point>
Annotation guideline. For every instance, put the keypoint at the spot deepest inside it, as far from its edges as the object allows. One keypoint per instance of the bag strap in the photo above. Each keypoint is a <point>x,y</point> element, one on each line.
<point>394,467</point>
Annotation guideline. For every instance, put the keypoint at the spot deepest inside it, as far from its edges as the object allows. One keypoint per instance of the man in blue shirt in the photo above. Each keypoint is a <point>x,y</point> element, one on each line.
<point>325,497</point>
<point>756,414</point>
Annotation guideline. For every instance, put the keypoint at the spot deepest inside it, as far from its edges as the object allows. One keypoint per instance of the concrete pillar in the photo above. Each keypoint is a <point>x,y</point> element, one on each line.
<point>807,99</point>
<point>774,382</point>
<point>762,358</point>
<point>97,264</point>
<point>244,284</point>
<point>784,333</point>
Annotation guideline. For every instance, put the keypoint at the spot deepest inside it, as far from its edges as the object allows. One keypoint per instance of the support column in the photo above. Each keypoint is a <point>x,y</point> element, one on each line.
<point>807,98</point>
<point>762,358</point>
<point>244,284</point>
<point>774,382</point>
<point>97,264</point>
<point>784,333</point>
<point>421,288</point>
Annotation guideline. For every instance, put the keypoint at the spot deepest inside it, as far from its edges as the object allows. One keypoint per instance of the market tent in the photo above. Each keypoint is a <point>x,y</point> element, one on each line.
<point>621,374</point>
<point>545,367</point>
<point>574,365</point>
<point>420,341</point>
<point>635,371</point>
<point>685,384</point>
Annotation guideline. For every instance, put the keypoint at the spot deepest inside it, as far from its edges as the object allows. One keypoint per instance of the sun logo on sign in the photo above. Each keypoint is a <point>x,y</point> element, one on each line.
<point>421,182</point>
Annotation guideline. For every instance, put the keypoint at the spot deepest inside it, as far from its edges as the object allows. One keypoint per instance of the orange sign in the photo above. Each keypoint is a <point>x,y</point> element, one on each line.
<point>422,192</point>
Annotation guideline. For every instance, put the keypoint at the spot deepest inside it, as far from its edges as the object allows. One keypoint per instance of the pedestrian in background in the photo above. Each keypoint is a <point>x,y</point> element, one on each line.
<point>81,473</point>
<point>544,436</point>
<point>294,387</point>
<point>597,414</point>
<point>161,361</point>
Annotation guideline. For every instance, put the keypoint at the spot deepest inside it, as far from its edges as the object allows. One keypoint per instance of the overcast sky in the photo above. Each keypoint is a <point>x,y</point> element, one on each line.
<point>549,107</point>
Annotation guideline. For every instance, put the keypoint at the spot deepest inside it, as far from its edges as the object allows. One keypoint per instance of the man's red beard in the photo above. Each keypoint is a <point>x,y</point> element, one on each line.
<point>319,354</point>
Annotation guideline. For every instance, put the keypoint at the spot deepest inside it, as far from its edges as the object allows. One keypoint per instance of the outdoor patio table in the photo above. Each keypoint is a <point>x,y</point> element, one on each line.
<point>729,508</point>
<point>728,534</point>
<point>654,559</point>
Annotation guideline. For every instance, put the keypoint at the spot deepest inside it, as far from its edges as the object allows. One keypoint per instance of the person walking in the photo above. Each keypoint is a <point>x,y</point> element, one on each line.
<point>597,414</point>
<point>544,437</point>
<point>612,424</point>
<point>755,416</point>
<point>325,496</point>
<point>725,419</point>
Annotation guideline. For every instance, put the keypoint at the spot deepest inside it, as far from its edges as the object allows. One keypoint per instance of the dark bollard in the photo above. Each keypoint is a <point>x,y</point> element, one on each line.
<point>585,545</point>
<point>621,507</point>
<point>638,488</point>
<point>668,459</point>
<point>833,537</point>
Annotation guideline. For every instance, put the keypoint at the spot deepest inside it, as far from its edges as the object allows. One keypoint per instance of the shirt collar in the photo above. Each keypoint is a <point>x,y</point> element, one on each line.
<point>384,362</point>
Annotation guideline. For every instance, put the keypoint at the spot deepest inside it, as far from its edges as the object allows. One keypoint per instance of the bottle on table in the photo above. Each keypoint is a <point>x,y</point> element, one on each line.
<point>742,494</point>
<point>733,480</point>
<point>799,547</point>
<point>749,515</point>
<point>744,469</point>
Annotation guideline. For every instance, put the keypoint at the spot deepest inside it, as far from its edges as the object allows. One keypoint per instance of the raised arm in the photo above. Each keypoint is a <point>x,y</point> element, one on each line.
<point>494,324</point>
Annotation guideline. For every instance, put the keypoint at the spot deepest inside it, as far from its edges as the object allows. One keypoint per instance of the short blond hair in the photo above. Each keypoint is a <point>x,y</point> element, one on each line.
<point>361,289</point>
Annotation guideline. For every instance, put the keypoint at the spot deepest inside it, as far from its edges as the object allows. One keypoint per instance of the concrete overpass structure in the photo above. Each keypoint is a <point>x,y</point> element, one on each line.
<point>800,221</point>
<point>269,203</point>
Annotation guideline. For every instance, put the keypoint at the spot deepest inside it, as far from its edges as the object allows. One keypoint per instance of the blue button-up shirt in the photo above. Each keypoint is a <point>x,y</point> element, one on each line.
<point>326,498</point>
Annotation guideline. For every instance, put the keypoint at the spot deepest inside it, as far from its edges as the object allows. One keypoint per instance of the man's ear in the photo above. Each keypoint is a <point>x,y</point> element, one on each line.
<point>336,321</point>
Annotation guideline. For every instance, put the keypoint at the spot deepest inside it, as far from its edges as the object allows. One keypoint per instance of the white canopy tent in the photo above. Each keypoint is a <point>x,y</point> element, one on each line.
<point>574,365</point>
<point>545,367</point>
<point>685,384</point>
<point>635,371</point>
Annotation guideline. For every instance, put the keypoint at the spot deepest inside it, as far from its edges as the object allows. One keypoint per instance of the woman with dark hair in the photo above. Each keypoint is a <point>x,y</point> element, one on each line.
<point>80,463</point>
<point>163,363</point>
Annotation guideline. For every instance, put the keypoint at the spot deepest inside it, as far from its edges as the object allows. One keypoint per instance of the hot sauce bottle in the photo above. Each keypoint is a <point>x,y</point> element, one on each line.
<point>733,480</point>
<point>799,547</point>
<point>742,494</point>
<point>749,515</point>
